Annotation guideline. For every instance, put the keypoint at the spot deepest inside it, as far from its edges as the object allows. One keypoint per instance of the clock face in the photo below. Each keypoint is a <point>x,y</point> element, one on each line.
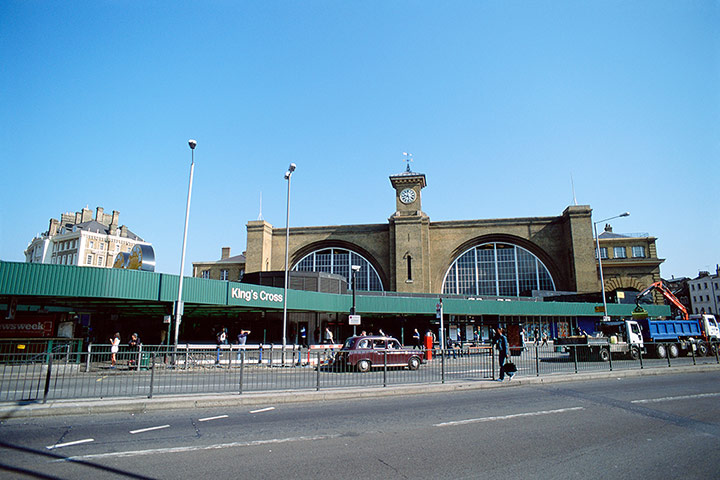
<point>407,195</point>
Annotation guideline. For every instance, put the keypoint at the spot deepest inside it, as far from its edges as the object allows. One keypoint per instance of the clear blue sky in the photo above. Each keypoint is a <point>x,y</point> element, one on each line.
<point>499,101</point>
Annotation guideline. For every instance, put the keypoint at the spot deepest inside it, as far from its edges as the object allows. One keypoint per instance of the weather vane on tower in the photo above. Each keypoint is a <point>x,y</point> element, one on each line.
<point>408,159</point>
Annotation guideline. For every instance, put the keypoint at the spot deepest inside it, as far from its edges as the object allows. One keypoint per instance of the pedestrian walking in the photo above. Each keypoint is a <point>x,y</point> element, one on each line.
<point>501,343</point>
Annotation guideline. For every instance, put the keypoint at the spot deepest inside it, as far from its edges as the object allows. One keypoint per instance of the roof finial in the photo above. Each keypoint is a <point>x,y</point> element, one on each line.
<point>408,159</point>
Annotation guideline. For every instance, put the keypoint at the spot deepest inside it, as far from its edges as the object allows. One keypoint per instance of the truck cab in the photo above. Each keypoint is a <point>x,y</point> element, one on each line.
<point>623,331</point>
<point>708,325</point>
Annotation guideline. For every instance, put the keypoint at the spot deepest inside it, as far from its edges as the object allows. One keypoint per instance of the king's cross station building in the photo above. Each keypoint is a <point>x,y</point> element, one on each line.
<point>533,275</point>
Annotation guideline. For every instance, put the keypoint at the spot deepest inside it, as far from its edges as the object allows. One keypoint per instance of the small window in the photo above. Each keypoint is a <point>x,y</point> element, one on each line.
<point>223,274</point>
<point>692,287</point>
<point>205,274</point>
<point>100,260</point>
<point>241,274</point>
<point>102,246</point>
<point>603,252</point>
<point>638,251</point>
<point>92,244</point>
<point>89,260</point>
<point>619,252</point>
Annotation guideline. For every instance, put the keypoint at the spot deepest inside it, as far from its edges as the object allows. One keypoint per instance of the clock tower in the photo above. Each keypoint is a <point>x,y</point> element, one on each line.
<point>409,234</point>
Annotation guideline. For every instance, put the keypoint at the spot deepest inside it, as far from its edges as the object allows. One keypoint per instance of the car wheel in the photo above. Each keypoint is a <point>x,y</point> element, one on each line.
<point>604,354</point>
<point>673,350</point>
<point>364,365</point>
<point>414,363</point>
<point>702,349</point>
<point>660,351</point>
<point>635,353</point>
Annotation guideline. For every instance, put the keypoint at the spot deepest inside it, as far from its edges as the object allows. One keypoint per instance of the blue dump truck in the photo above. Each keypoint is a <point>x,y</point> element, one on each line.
<point>671,337</point>
<point>657,338</point>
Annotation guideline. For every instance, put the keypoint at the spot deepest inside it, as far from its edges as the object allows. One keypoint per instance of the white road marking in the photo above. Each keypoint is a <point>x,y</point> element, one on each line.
<point>149,429</point>
<point>262,410</point>
<point>507,417</point>
<point>680,397</point>
<point>76,442</point>
<point>155,451</point>
<point>212,418</point>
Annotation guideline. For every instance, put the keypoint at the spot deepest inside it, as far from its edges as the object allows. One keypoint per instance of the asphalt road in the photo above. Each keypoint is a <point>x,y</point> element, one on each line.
<point>664,426</point>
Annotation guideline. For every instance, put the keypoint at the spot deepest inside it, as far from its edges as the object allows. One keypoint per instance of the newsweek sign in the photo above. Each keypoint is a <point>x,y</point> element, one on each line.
<point>36,329</point>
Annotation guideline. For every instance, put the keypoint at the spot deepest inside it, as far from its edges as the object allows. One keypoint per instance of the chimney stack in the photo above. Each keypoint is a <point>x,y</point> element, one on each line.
<point>86,215</point>
<point>225,253</point>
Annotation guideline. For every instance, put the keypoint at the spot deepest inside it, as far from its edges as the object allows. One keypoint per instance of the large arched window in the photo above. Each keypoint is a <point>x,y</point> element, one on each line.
<point>497,269</point>
<point>338,261</point>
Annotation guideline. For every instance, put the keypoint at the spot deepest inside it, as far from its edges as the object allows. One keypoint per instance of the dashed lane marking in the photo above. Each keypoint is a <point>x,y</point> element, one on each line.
<point>679,397</point>
<point>507,417</point>
<point>262,410</point>
<point>156,451</point>
<point>212,418</point>
<point>67,444</point>
<point>149,429</point>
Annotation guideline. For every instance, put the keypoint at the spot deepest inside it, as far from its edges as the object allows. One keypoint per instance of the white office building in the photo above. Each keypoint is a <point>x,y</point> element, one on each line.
<point>704,292</point>
<point>79,239</point>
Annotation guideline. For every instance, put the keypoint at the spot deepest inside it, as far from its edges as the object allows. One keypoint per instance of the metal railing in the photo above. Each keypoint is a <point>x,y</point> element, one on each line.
<point>61,373</point>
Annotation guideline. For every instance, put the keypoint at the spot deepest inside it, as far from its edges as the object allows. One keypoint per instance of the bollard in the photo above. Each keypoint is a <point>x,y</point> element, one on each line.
<point>385,370</point>
<point>610,357</point>
<point>442,366</point>
<point>87,362</point>
<point>47,378</point>
<point>152,376</point>
<point>317,368</point>
<point>260,350</point>
<point>241,353</point>
<point>692,352</point>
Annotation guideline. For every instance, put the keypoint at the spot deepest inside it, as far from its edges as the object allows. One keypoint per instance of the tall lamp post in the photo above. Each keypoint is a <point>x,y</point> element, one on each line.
<point>355,269</point>
<point>288,175</point>
<point>599,256</point>
<point>179,305</point>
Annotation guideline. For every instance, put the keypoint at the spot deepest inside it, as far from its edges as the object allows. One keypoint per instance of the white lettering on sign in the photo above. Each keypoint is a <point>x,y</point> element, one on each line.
<point>249,295</point>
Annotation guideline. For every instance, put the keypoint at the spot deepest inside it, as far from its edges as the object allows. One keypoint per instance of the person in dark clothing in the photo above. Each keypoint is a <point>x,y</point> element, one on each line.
<point>503,351</point>
<point>134,347</point>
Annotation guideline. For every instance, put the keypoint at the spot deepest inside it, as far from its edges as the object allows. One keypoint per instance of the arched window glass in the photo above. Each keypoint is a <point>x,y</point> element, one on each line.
<point>497,269</point>
<point>338,261</point>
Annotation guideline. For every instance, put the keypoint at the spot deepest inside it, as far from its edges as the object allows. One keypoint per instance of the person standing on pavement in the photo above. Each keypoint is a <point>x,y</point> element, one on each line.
<point>329,336</point>
<point>242,340</point>
<point>503,351</point>
<point>416,339</point>
<point>114,347</point>
<point>221,340</point>
<point>134,347</point>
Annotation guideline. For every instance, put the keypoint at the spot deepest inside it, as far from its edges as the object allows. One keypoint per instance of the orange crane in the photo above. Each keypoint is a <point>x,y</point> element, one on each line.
<point>667,294</point>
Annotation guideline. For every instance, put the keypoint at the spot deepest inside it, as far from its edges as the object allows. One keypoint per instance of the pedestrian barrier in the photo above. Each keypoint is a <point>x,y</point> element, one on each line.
<point>61,372</point>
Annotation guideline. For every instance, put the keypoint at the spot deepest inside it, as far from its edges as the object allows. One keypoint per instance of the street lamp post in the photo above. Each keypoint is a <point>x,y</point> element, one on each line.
<point>599,256</point>
<point>179,305</point>
<point>288,175</point>
<point>355,269</point>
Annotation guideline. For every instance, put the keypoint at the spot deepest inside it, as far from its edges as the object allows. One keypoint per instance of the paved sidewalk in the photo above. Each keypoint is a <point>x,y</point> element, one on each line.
<point>172,402</point>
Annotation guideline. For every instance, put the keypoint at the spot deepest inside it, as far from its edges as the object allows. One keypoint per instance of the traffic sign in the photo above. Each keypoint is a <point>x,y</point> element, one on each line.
<point>354,319</point>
